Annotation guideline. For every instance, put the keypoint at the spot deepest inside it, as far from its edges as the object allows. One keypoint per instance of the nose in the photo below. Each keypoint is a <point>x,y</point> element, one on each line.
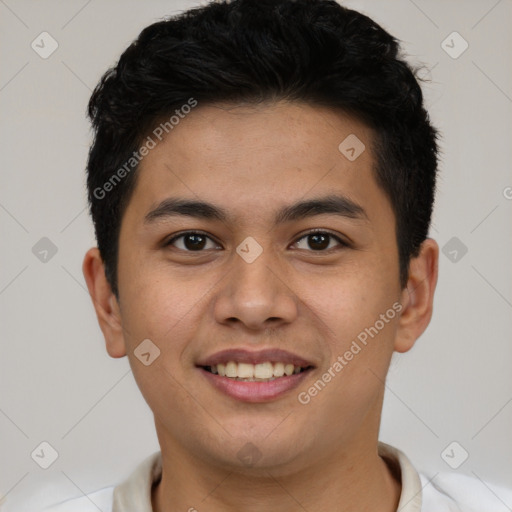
<point>255,295</point>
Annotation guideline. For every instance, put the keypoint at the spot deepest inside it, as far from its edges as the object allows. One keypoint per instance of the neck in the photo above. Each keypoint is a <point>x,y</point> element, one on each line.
<point>349,480</point>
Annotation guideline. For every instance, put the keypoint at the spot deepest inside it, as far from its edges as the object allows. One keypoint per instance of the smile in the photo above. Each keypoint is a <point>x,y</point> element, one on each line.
<point>249,376</point>
<point>262,372</point>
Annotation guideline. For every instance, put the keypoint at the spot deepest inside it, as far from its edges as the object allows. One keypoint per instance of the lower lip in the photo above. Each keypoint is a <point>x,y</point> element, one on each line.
<point>255,391</point>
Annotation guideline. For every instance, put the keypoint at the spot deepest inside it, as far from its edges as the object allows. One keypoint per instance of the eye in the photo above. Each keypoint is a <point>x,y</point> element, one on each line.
<point>195,241</point>
<point>192,241</point>
<point>320,241</point>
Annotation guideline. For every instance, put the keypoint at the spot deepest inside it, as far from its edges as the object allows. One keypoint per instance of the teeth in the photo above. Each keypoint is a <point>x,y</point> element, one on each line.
<point>278,370</point>
<point>255,372</point>
<point>246,371</point>
<point>231,369</point>
<point>288,369</point>
<point>264,370</point>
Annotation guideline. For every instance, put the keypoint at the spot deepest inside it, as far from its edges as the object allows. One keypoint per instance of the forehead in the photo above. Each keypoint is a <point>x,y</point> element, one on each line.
<point>251,158</point>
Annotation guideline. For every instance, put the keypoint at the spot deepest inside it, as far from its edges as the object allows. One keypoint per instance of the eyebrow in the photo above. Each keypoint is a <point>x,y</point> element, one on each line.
<point>331,204</point>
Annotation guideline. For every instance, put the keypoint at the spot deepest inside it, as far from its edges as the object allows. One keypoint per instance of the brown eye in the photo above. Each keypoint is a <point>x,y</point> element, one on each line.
<point>320,241</point>
<point>194,242</point>
<point>191,241</point>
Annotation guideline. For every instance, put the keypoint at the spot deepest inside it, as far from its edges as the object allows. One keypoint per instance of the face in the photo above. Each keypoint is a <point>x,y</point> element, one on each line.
<point>289,264</point>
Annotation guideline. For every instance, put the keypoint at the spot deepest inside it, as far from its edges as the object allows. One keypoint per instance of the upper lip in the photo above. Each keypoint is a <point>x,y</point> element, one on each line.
<point>241,355</point>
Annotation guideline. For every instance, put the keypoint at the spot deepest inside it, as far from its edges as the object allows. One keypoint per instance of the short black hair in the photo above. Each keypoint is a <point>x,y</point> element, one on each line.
<point>245,51</point>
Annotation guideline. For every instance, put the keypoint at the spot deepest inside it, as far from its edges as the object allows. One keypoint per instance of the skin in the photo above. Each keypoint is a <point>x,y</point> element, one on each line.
<point>251,161</point>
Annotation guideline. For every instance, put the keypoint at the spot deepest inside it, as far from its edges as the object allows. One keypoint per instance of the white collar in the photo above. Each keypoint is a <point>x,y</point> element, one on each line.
<point>134,494</point>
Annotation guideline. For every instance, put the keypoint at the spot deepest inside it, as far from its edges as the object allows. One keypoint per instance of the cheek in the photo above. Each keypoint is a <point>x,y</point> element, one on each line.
<point>349,301</point>
<point>155,296</point>
<point>166,312</point>
<point>359,315</point>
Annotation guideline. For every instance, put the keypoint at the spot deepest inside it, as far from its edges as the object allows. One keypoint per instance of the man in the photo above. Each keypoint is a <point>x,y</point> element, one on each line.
<point>261,184</point>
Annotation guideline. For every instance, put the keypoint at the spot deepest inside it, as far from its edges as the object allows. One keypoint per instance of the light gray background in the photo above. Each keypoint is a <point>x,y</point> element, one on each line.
<point>57,382</point>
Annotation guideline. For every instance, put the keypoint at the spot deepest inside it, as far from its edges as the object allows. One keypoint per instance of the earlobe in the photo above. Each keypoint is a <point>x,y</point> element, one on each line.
<point>418,296</point>
<point>104,302</point>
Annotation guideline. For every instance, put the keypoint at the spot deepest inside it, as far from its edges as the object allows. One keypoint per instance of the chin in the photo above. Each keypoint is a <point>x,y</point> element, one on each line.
<point>261,452</point>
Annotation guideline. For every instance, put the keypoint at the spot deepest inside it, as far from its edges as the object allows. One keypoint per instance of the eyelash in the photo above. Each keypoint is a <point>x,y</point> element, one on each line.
<point>341,242</point>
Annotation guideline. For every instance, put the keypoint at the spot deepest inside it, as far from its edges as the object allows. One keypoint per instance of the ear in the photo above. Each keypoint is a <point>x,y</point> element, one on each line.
<point>418,296</point>
<point>105,303</point>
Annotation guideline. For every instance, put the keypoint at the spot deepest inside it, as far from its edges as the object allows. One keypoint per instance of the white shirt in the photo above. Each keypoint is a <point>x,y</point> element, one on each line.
<point>445,492</point>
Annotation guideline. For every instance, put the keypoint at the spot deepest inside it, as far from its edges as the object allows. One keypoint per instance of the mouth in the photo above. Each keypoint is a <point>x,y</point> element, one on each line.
<point>262,372</point>
<point>255,376</point>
